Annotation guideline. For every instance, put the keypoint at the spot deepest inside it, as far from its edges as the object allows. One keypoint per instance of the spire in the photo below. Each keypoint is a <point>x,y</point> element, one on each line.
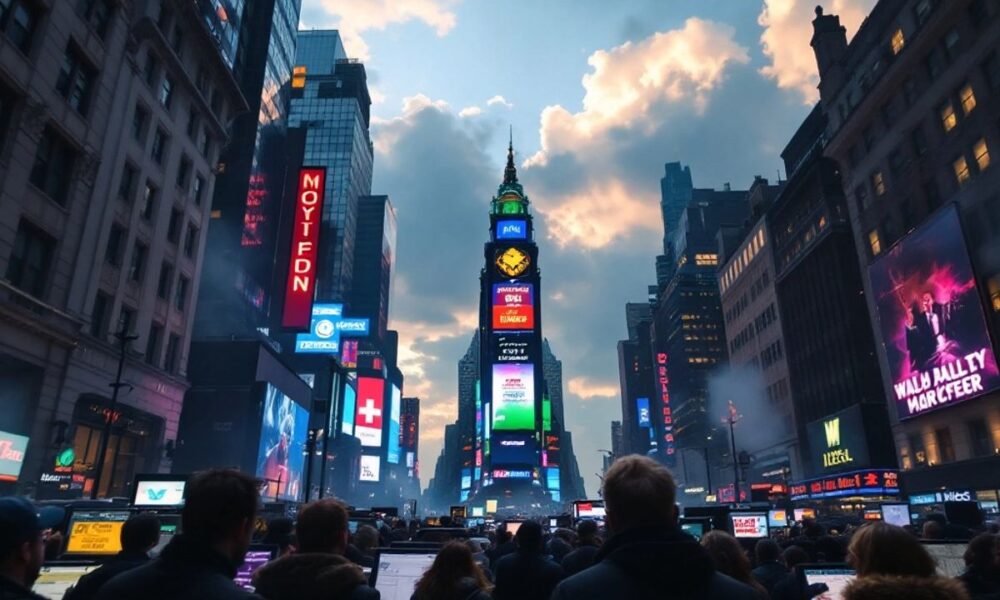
<point>510,173</point>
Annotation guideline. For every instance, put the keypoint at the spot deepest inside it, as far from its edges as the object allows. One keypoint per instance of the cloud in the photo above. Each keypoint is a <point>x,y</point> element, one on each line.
<point>354,17</point>
<point>498,99</point>
<point>585,388</point>
<point>470,111</point>
<point>785,41</point>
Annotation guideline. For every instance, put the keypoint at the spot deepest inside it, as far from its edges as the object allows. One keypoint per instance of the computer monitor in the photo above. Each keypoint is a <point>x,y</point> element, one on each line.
<point>695,529</point>
<point>804,513</point>
<point>158,490</point>
<point>513,526</point>
<point>95,532</point>
<point>553,523</point>
<point>55,578</point>
<point>749,525</point>
<point>589,509</point>
<point>397,571</point>
<point>835,576</point>
<point>256,557</point>
<point>948,555</point>
<point>777,518</point>
<point>169,527</point>
<point>896,514</point>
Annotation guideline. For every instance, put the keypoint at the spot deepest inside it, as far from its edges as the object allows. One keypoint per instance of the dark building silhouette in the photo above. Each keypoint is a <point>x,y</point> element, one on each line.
<point>636,378</point>
<point>374,255</point>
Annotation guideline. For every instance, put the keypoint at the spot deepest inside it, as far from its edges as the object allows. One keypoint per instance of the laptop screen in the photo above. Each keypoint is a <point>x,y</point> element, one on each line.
<point>93,532</point>
<point>397,574</point>
<point>55,580</point>
<point>836,579</point>
<point>256,557</point>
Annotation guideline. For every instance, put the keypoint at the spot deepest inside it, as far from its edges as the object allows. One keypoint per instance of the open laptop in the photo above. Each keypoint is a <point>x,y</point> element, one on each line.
<point>397,571</point>
<point>949,555</point>
<point>256,557</point>
<point>56,578</point>
<point>95,532</point>
<point>835,576</point>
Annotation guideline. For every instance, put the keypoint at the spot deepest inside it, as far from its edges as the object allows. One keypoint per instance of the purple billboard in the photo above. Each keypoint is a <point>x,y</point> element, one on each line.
<point>934,335</point>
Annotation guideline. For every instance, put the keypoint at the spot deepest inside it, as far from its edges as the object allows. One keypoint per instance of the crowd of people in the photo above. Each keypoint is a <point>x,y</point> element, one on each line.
<point>642,554</point>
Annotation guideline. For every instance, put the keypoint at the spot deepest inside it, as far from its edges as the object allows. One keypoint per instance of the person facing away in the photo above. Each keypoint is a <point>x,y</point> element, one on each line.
<point>453,576</point>
<point>366,541</point>
<point>22,547</point>
<point>770,570</point>
<point>526,574</point>
<point>729,558</point>
<point>321,529</point>
<point>587,547</point>
<point>791,587</point>
<point>892,563</point>
<point>982,567</point>
<point>139,535</point>
<point>217,524</point>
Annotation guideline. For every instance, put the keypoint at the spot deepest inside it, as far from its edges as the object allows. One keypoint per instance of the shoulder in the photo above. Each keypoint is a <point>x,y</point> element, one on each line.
<point>881,587</point>
<point>723,586</point>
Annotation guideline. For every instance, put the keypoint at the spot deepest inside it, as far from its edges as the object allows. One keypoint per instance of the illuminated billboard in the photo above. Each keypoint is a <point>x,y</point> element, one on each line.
<point>663,381</point>
<point>301,285</point>
<point>328,325</point>
<point>466,479</point>
<point>513,306</point>
<point>12,449</point>
<point>368,414</point>
<point>512,473</point>
<point>552,478</point>
<point>349,354</point>
<point>934,335</point>
<point>642,410</point>
<point>393,450</point>
<point>281,451</point>
<point>512,230</point>
<point>350,398</point>
<point>511,347</point>
<point>513,397</point>
<point>371,467</point>
<point>515,449</point>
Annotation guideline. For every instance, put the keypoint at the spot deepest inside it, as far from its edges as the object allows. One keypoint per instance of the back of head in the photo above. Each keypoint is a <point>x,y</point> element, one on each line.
<point>453,563</point>
<point>767,550</point>
<point>639,492</point>
<point>932,530</point>
<point>587,531</point>
<point>882,549</point>
<point>140,533</point>
<point>366,538</point>
<point>216,502</point>
<point>794,556</point>
<point>308,577</point>
<point>279,533</point>
<point>982,552</point>
<point>321,526</point>
<point>529,537</point>
<point>727,555</point>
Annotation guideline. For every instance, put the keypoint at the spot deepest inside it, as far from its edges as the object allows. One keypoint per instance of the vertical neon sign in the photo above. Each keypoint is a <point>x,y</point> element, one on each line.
<point>668,420</point>
<point>305,246</point>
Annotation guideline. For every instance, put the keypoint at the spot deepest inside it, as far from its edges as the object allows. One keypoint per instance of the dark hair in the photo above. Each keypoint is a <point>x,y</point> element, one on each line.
<point>280,533</point>
<point>529,536</point>
<point>981,552</point>
<point>882,549</point>
<point>216,502</point>
<point>728,557</point>
<point>767,550</point>
<point>320,525</point>
<point>453,563</point>
<point>366,539</point>
<point>639,492</point>
<point>794,555</point>
<point>587,530</point>
<point>140,533</point>
<point>445,521</point>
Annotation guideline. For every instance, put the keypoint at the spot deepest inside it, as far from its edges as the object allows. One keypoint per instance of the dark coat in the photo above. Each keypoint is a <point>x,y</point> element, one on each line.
<point>11,590</point>
<point>525,576</point>
<point>313,577</point>
<point>980,585</point>
<point>185,570</point>
<point>91,583</point>
<point>466,589</point>
<point>582,558</point>
<point>658,564</point>
<point>769,574</point>
<point>887,587</point>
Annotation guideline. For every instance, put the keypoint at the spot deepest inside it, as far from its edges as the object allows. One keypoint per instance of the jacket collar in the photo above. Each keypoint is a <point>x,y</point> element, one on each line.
<point>186,550</point>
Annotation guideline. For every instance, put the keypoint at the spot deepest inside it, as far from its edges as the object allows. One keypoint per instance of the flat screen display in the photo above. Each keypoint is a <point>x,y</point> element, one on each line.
<point>55,580</point>
<point>749,525</point>
<point>514,397</point>
<point>350,397</point>
<point>777,518</point>
<point>512,230</point>
<point>93,532</point>
<point>393,447</point>
<point>12,449</point>
<point>930,316</point>
<point>948,557</point>
<point>836,580</point>
<point>513,306</point>
<point>396,575</point>
<point>590,509</point>
<point>514,449</point>
<point>281,453</point>
<point>513,526</point>
<point>159,493</point>
<point>255,558</point>
<point>804,513</point>
<point>167,533</point>
<point>371,468</point>
<point>369,412</point>
<point>696,529</point>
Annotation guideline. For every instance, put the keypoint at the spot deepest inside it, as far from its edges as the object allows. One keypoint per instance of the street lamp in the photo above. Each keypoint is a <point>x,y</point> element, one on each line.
<point>123,339</point>
<point>731,418</point>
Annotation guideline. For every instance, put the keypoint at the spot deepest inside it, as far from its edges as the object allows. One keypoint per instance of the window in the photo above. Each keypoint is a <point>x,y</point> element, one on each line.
<point>167,92</point>
<point>174,225</point>
<point>97,13</point>
<point>7,102</point>
<point>878,183</point>
<point>128,182</point>
<point>153,343</point>
<point>159,149</point>
<point>76,78</point>
<point>177,41</point>
<point>192,125</point>
<point>897,42</point>
<point>896,161</point>
<point>922,11</point>
<point>138,264</point>
<point>918,141</point>
<point>148,201</point>
<point>191,241</point>
<point>980,440</point>
<point>180,294</point>
<point>173,349</point>
<point>967,98</point>
<point>934,63</point>
<point>205,144</point>
<point>126,318</point>
<point>30,259</point>
<point>139,120</point>
<point>53,168</point>
<point>961,168</point>
<point>199,189</point>
<point>946,450</point>
<point>99,316</point>
<point>981,154</point>
<point>991,69</point>
<point>18,19</point>
<point>163,285</point>
<point>951,45</point>
<point>910,91</point>
<point>874,243</point>
<point>869,137</point>
<point>116,245</point>
<point>919,452</point>
<point>948,117</point>
<point>183,172</point>
<point>151,69</point>
<point>861,197</point>
<point>931,194</point>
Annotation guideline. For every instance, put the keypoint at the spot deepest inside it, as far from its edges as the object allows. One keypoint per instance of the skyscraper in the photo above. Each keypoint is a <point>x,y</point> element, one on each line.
<point>374,255</point>
<point>676,189</point>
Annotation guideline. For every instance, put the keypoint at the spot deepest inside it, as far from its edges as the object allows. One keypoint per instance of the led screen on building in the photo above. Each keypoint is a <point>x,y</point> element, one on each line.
<point>301,284</point>
<point>515,449</point>
<point>371,467</point>
<point>642,412</point>
<point>934,335</point>
<point>281,451</point>
<point>393,447</point>
<point>368,415</point>
<point>514,397</point>
<point>513,306</point>
<point>12,449</point>
<point>511,347</point>
<point>350,398</point>
<point>512,230</point>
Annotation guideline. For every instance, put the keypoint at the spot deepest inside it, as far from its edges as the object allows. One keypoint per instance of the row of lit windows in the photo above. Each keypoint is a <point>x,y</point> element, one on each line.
<point>743,259</point>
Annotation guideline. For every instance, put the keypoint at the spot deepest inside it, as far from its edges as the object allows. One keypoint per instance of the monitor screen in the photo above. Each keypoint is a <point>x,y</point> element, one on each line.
<point>256,557</point>
<point>696,529</point>
<point>553,523</point>
<point>159,493</point>
<point>948,556</point>
<point>804,513</point>
<point>94,532</point>
<point>777,518</point>
<point>590,509</point>
<point>835,578</point>
<point>513,526</point>
<point>896,514</point>
<point>749,525</point>
<point>54,580</point>
<point>397,573</point>
<point>281,451</point>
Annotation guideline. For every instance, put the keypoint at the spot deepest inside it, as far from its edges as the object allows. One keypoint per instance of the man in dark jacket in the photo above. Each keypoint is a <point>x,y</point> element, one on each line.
<point>769,569</point>
<point>648,556</point>
<point>310,577</point>
<point>199,564</point>
<point>139,535</point>
<point>586,553</point>
<point>22,548</point>
<point>526,574</point>
<point>322,528</point>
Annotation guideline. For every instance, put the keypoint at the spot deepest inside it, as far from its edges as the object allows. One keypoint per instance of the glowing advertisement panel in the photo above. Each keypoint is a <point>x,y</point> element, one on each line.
<point>514,449</point>
<point>350,399</point>
<point>301,285</point>
<point>642,410</point>
<point>513,306</point>
<point>371,467</point>
<point>552,478</point>
<point>281,453</point>
<point>368,414</point>
<point>393,451</point>
<point>512,230</point>
<point>514,397</point>
<point>934,335</point>
<point>12,449</point>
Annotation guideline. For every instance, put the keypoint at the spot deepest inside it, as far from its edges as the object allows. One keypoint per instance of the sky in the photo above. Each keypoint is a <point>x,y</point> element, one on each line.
<point>599,96</point>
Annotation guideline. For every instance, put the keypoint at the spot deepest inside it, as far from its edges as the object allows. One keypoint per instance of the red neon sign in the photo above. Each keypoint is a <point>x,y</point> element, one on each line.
<point>305,245</point>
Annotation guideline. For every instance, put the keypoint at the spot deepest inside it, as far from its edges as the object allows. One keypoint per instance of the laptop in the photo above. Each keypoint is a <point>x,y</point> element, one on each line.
<point>835,576</point>
<point>256,557</point>
<point>397,570</point>
<point>57,577</point>
<point>949,555</point>
<point>95,532</point>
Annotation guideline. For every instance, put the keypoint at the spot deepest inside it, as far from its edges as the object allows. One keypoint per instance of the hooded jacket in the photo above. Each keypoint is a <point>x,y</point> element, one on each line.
<point>889,587</point>
<point>313,577</point>
<point>652,563</point>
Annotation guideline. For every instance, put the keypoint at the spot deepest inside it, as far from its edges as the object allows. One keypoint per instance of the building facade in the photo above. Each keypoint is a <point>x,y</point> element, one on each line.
<point>374,255</point>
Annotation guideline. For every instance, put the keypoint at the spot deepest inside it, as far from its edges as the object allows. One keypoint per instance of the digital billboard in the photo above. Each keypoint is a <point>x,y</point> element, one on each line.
<point>511,347</point>
<point>301,284</point>
<point>514,397</point>
<point>466,479</point>
<point>350,399</point>
<point>393,447</point>
<point>513,306</point>
<point>514,449</point>
<point>838,442</point>
<point>512,229</point>
<point>552,478</point>
<point>371,467</point>
<point>281,453</point>
<point>368,414</point>
<point>873,482</point>
<point>12,448</point>
<point>930,315</point>
<point>326,329</point>
<point>349,354</point>
<point>642,412</point>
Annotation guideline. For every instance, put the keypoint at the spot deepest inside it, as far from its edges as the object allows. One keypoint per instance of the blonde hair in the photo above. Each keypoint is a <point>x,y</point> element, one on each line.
<point>639,491</point>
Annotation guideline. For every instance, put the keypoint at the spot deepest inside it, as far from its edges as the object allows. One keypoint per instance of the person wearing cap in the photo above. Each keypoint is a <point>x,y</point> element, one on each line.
<point>140,534</point>
<point>22,546</point>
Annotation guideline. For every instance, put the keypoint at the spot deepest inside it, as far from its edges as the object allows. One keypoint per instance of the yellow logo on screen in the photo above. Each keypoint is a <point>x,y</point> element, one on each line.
<point>95,537</point>
<point>832,428</point>
<point>512,262</point>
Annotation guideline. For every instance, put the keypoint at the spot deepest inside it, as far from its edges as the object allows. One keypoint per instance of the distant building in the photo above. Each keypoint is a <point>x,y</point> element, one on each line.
<point>617,448</point>
<point>374,258</point>
<point>636,379</point>
<point>676,191</point>
<point>410,428</point>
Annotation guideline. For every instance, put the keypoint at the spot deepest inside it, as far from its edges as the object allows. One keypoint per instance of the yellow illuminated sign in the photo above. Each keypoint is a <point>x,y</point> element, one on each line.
<point>837,456</point>
<point>95,537</point>
<point>832,428</point>
<point>513,262</point>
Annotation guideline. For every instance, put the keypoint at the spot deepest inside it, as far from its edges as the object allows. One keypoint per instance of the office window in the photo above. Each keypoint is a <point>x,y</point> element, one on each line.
<point>53,168</point>
<point>205,144</point>
<point>126,319</point>
<point>918,450</point>
<point>946,450</point>
<point>961,168</point>
<point>981,154</point>
<point>148,201</point>
<point>138,263</point>
<point>861,197</point>
<point>934,63</point>
<point>18,19</point>
<point>183,172</point>
<point>199,189</point>
<point>174,225</point>
<point>127,184</point>
<point>948,117</point>
<point>76,79</point>
<point>99,316</point>
<point>180,294</point>
<point>922,11</point>
<point>163,285</point>
<point>896,161</point>
<point>97,14</point>
<point>874,243</point>
<point>151,69</point>
<point>159,149</point>
<point>991,69</point>
<point>191,241</point>
<point>153,343</point>
<point>167,92</point>
<point>980,439</point>
<point>919,141</point>
<point>967,98</point>
<point>192,124</point>
<point>116,245</point>
<point>30,259</point>
<point>139,120</point>
<point>173,350</point>
<point>951,45</point>
<point>897,42</point>
<point>878,183</point>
